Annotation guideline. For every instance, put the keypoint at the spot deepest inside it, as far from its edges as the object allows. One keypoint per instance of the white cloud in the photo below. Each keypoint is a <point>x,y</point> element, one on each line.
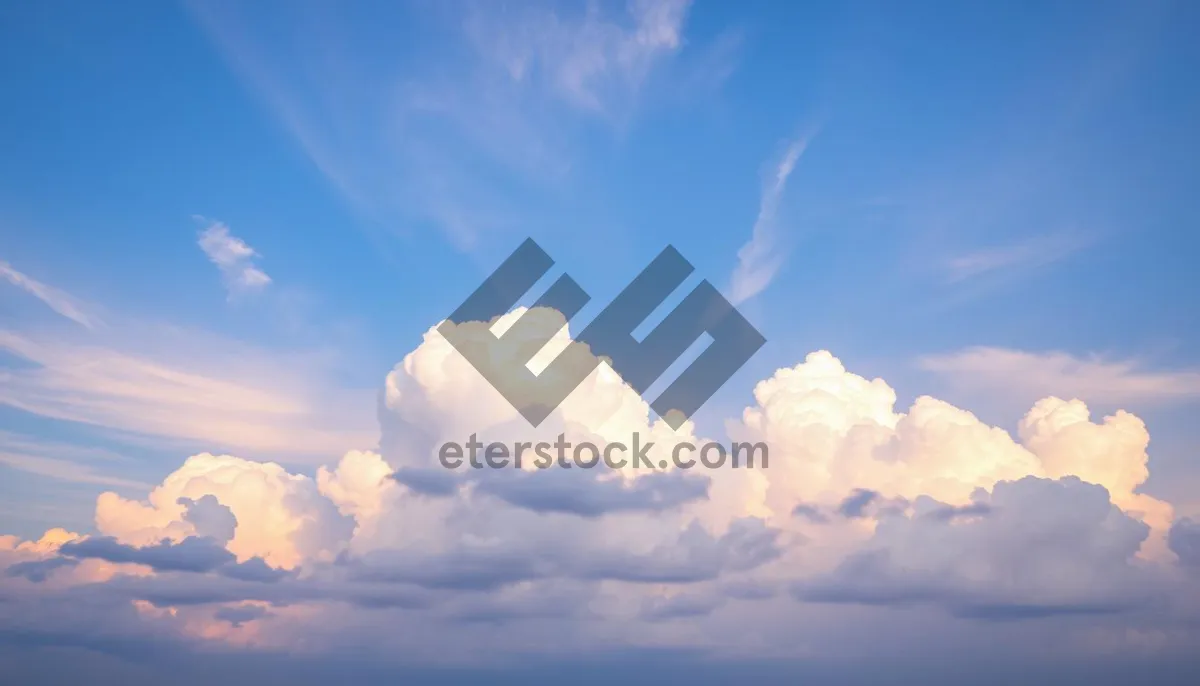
<point>59,301</point>
<point>760,258</point>
<point>360,486</point>
<point>281,517</point>
<point>947,511</point>
<point>1112,453</point>
<point>1029,375</point>
<point>832,432</point>
<point>234,258</point>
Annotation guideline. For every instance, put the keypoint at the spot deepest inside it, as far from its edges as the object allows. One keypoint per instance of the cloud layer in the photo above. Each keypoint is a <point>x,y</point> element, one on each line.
<point>864,505</point>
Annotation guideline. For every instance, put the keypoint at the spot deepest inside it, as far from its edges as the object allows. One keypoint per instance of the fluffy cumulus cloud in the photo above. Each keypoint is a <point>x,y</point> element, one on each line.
<point>833,432</point>
<point>278,516</point>
<point>864,507</point>
<point>1033,547</point>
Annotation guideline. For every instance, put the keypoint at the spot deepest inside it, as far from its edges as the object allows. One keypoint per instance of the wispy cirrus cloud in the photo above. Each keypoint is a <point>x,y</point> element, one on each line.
<point>1025,374</point>
<point>1031,253</point>
<point>595,61</point>
<point>61,302</point>
<point>63,461</point>
<point>759,259</point>
<point>150,381</point>
<point>190,388</point>
<point>458,145</point>
<point>233,257</point>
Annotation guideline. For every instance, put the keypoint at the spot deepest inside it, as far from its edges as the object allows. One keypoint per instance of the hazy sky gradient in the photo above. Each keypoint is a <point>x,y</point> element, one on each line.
<point>229,230</point>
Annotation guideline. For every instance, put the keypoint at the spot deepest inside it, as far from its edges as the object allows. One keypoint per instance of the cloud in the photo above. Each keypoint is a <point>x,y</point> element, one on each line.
<point>63,461</point>
<point>750,590</point>
<point>953,512</point>
<point>680,606</point>
<point>697,555</point>
<point>590,495</point>
<point>233,258</point>
<point>357,485</point>
<point>1035,252</point>
<point>690,556</point>
<point>470,138</point>
<point>1048,547</point>
<point>254,570</point>
<point>181,592</point>
<point>192,554</point>
<point>190,388</point>
<point>181,386</point>
<point>237,616</point>
<point>209,518</point>
<point>47,544</point>
<point>855,504</point>
<point>280,517</point>
<point>432,482</point>
<point>1184,540</point>
<point>589,59</point>
<point>759,259</point>
<point>1022,375</point>
<point>523,604</point>
<point>811,513</point>
<point>464,569</point>
<point>38,571</point>
<point>937,509</point>
<point>831,431</point>
<point>61,302</point>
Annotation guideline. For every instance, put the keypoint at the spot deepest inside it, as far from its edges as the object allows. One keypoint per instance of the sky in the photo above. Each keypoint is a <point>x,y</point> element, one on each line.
<point>229,231</point>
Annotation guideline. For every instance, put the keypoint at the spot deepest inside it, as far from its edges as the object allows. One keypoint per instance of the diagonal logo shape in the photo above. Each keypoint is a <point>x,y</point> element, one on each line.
<point>502,359</point>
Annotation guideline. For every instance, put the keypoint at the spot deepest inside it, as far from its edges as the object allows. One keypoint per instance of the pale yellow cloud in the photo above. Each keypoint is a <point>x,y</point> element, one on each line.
<point>281,517</point>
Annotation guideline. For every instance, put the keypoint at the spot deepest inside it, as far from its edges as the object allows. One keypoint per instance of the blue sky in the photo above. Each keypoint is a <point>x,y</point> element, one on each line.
<point>222,224</point>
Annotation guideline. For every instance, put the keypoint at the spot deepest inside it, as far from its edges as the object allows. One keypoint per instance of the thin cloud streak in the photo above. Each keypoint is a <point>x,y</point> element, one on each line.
<point>759,259</point>
<point>1038,251</point>
<point>65,470</point>
<point>59,301</point>
<point>1023,374</point>
<point>530,74</point>
<point>66,462</point>
<point>235,398</point>
<point>174,386</point>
